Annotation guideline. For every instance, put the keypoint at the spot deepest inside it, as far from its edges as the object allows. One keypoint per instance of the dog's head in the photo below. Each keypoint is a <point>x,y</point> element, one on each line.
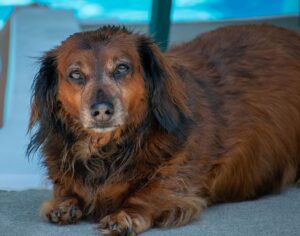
<point>106,80</point>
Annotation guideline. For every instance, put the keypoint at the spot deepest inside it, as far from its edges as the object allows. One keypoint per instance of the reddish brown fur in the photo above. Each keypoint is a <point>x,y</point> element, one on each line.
<point>213,120</point>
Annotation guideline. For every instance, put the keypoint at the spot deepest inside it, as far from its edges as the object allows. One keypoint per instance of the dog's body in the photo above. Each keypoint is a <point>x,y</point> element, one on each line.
<point>213,120</point>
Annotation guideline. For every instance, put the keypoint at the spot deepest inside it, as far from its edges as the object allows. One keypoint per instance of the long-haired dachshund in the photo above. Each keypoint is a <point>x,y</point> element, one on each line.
<point>135,138</point>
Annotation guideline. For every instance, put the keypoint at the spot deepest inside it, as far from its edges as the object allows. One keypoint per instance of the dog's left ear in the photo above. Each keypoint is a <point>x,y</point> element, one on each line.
<point>165,89</point>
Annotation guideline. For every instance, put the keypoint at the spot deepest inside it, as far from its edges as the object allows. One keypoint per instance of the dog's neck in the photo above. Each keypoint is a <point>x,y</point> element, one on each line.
<point>96,157</point>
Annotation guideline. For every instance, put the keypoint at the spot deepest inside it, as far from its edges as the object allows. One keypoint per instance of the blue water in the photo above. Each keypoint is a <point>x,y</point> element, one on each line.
<point>128,11</point>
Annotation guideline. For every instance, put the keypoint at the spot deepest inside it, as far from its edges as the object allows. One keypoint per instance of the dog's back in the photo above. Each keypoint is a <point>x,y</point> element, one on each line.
<point>250,76</point>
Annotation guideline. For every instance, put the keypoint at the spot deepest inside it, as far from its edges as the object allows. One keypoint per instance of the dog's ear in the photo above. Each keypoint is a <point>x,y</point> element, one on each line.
<point>43,102</point>
<point>44,87</point>
<point>165,89</point>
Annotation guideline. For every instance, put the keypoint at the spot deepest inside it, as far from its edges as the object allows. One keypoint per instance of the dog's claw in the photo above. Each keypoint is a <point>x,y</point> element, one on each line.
<point>73,211</point>
<point>113,226</point>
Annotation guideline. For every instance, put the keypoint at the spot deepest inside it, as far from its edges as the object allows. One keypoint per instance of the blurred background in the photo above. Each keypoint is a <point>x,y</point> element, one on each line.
<point>30,27</point>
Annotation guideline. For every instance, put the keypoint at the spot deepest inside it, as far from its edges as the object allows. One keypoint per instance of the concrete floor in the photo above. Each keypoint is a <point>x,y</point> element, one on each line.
<point>274,215</point>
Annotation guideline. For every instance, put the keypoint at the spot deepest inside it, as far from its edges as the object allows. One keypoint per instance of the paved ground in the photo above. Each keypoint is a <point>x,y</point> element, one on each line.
<point>275,215</point>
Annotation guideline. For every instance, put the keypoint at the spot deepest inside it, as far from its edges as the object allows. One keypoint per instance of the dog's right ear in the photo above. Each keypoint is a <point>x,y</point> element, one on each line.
<point>44,102</point>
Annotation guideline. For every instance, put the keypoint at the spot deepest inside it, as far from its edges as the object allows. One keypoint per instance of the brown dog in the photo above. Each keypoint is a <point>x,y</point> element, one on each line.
<point>136,138</point>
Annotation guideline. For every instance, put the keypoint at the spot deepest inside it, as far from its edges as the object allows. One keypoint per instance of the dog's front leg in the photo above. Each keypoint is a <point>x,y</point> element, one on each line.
<point>154,205</point>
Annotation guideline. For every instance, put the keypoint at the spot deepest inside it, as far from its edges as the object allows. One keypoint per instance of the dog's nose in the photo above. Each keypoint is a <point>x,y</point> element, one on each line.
<point>102,111</point>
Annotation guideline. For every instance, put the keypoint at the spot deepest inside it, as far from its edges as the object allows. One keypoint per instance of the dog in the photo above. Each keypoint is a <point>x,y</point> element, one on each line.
<point>134,138</point>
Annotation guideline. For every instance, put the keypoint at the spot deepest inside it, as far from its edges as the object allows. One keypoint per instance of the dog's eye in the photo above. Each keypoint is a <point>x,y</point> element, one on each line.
<point>121,70</point>
<point>76,77</point>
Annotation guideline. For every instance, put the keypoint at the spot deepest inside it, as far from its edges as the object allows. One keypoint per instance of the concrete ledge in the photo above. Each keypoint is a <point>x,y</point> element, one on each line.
<point>23,181</point>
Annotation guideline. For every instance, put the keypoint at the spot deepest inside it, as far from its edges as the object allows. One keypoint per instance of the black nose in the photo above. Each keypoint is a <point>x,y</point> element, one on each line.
<point>102,111</point>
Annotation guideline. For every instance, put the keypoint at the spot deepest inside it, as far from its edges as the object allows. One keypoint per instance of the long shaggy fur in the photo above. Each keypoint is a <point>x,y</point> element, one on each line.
<point>218,121</point>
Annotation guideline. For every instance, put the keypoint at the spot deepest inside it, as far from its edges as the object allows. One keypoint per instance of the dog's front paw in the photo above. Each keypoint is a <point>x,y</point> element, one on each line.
<point>64,215</point>
<point>66,212</point>
<point>117,224</point>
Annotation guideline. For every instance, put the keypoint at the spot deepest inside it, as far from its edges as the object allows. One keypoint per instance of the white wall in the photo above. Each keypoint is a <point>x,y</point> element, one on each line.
<point>33,31</point>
